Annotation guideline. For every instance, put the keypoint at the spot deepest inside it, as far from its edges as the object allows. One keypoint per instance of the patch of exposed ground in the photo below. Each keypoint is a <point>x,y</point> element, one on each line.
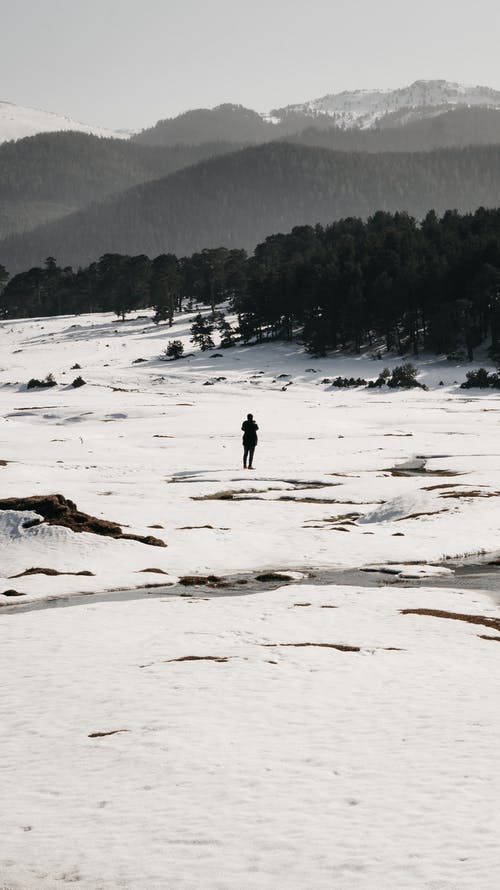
<point>12,593</point>
<point>218,658</point>
<point>40,570</point>
<point>418,515</point>
<point>420,471</point>
<point>310,604</point>
<point>492,623</point>
<point>202,581</point>
<point>3,463</point>
<point>189,528</point>
<point>310,500</point>
<point>342,647</point>
<point>153,571</point>
<point>245,493</point>
<point>486,637</point>
<point>58,510</point>
<point>100,735</point>
<point>470,494</point>
<point>339,522</point>
<point>443,485</point>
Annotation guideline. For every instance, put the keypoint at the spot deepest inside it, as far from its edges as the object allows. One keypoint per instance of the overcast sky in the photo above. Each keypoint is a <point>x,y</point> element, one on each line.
<point>127,63</point>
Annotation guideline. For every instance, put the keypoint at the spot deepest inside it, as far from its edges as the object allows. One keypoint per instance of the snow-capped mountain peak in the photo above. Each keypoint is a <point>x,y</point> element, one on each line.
<point>364,108</point>
<point>17,121</point>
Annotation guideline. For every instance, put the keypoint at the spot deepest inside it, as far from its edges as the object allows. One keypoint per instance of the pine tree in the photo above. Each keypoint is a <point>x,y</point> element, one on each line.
<point>201,332</point>
<point>165,287</point>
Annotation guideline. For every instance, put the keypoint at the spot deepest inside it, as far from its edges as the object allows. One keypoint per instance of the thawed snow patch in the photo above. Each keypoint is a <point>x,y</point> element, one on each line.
<point>406,506</point>
<point>408,572</point>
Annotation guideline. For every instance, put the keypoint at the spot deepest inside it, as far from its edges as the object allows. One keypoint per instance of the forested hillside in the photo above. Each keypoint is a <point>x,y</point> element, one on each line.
<point>456,128</point>
<point>388,283</point>
<point>230,123</point>
<point>238,199</point>
<point>47,176</point>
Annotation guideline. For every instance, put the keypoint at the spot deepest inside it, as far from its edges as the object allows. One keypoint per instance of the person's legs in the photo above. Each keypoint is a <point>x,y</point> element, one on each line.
<point>250,456</point>
<point>245,455</point>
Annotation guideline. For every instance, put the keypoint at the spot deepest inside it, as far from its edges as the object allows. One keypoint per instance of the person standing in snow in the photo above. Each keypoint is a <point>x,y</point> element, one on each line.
<point>249,428</point>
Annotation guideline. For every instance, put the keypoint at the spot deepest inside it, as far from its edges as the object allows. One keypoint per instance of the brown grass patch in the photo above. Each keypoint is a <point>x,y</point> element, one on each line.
<point>309,500</point>
<point>220,659</point>
<point>492,623</point>
<point>100,735</point>
<point>222,495</point>
<point>418,515</point>
<point>302,604</point>
<point>58,510</point>
<point>340,646</point>
<point>202,581</point>
<point>3,463</point>
<point>152,571</point>
<point>255,494</point>
<point>441,485</point>
<point>12,593</point>
<point>39,570</point>
<point>470,494</point>
<point>188,528</point>
<point>485,637</point>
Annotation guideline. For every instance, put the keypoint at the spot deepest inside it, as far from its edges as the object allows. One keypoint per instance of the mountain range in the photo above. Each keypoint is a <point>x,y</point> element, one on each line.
<point>231,176</point>
<point>358,109</point>
<point>369,108</point>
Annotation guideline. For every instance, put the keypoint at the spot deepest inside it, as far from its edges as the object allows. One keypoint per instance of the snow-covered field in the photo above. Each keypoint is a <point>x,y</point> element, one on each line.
<point>368,762</point>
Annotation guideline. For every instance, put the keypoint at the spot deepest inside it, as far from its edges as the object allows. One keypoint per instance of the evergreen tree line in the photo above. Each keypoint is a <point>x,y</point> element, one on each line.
<point>388,282</point>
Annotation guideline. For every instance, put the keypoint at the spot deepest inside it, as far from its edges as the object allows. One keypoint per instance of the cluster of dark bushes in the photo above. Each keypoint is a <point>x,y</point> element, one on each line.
<point>46,383</point>
<point>481,379</point>
<point>49,382</point>
<point>402,376</point>
<point>348,382</point>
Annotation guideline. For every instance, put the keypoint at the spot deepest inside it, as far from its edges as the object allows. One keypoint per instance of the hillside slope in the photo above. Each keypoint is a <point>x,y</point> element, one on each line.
<point>366,108</point>
<point>454,128</point>
<point>238,199</point>
<point>47,176</point>
<point>19,121</point>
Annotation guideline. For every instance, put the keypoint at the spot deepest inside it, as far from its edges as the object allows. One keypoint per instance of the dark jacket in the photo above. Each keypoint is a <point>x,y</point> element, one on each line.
<point>249,428</point>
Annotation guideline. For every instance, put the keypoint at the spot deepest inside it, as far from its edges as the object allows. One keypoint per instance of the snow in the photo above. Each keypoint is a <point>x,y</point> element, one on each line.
<point>247,751</point>
<point>364,108</point>
<point>362,769</point>
<point>17,122</point>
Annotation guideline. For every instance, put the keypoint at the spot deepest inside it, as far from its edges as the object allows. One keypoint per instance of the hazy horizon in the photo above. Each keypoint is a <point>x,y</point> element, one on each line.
<point>121,64</point>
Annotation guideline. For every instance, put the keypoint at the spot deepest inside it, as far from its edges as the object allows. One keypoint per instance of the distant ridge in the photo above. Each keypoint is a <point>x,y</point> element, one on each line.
<point>18,121</point>
<point>355,109</point>
<point>367,108</point>
<point>239,199</point>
